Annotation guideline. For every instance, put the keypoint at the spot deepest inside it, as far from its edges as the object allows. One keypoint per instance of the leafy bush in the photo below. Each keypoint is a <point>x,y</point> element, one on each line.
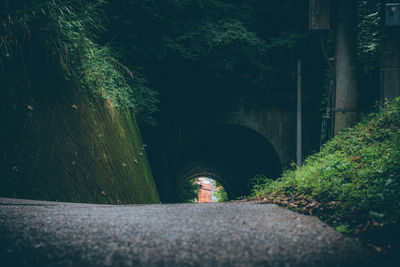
<point>259,183</point>
<point>66,33</point>
<point>353,183</point>
<point>221,195</point>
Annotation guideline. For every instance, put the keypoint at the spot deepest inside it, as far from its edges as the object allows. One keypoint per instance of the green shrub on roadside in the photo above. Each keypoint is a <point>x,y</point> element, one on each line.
<point>354,179</point>
<point>259,183</point>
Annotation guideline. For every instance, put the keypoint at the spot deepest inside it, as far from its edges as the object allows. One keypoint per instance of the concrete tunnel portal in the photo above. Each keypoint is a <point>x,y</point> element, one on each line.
<point>229,154</point>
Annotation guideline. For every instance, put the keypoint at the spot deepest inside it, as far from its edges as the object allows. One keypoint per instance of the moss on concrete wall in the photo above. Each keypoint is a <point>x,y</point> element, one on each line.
<point>67,146</point>
<point>67,131</point>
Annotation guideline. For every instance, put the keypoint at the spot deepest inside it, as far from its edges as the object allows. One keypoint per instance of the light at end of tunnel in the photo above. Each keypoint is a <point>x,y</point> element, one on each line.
<point>202,190</point>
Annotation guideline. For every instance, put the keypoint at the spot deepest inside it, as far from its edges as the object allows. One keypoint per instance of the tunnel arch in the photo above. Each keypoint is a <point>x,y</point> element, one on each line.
<point>230,154</point>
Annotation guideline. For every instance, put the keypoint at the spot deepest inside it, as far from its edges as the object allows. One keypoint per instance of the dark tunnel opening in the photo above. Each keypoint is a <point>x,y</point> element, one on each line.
<point>230,154</point>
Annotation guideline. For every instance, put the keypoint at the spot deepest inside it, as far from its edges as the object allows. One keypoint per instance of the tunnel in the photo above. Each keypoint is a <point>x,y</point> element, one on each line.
<point>229,154</point>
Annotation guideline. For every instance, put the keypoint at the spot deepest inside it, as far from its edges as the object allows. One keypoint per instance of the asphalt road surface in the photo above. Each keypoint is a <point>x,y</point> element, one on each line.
<point>34,233</point>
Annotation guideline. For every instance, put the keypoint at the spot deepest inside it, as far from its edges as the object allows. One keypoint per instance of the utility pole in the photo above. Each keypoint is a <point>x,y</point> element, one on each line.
<point>346,57</point>
<point>299,122</point>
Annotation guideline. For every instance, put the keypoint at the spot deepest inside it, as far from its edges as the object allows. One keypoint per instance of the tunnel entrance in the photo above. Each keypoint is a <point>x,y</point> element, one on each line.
<point>230,154</point>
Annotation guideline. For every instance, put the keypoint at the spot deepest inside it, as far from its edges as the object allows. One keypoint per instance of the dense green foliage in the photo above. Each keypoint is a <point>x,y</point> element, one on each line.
<point>195,52</point>
<point>354,182</point>
<point>188,191</point>
<point>68,107</point>
<point>66,31</point>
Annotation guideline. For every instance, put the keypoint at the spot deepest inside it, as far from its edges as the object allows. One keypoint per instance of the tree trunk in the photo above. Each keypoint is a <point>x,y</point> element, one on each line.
<point>346,57</point>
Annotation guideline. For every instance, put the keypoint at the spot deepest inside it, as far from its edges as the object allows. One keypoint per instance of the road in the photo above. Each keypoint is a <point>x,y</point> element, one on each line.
<point>34,233</point>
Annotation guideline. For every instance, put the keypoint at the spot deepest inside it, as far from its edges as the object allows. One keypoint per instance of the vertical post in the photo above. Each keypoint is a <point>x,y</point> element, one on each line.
<point>212,191</point>
<point>299,139</point>
<point>346,58</point>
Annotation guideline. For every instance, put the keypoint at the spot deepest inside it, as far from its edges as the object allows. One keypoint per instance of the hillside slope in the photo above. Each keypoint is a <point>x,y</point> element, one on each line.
<point>353,183</point>
<point>68,129</point>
